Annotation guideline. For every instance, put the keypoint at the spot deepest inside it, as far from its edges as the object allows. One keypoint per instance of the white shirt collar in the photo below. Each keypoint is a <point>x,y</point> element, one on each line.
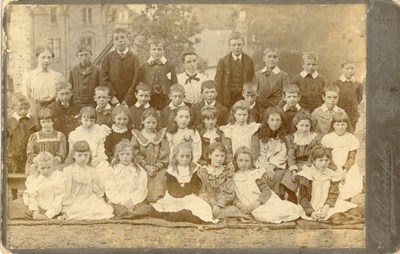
<point>252,105</point>
<point>326,109</point>
<point>314,75</point>
<point>146,106</point>
<point>212,104</point>
<point>235,57</point>
<point>190,74</point>
<point>172,106</point>
<point>17,117</point>
<point>286,107</point>
<point>123,53</point>
<point>108,106</point>
<point>162,59</point>
<point>40,69</point>
<point>275,70</point>
<point>344,79</point>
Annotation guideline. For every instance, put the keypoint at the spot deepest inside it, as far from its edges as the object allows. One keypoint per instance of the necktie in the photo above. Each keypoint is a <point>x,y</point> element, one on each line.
<point>294,109</point>
<point>237,60</point>
<point>155,62</point>
<point>190,78</point>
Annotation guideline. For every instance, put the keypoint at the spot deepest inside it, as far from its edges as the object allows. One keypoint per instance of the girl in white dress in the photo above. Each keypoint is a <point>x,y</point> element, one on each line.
<point>84,193</point>
<point>180,131</point>
<point>242,130</point>
<point>344,147</point>
<point>253,194</point>
<point>319,188</point>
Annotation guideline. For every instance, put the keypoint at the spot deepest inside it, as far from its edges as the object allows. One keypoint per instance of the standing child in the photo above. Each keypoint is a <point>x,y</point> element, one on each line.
<point>142,94</point>
<point>126,189</point>
<point>351,91</point>
<point>233,70</point>
<point>344,147</point>
<point>94,134</point>
<point>241,130</point>
<point>180,130</point>
<point>210,133</point>
<point>84,77</point>
<point>270,80</point>
<point>151,150</point>
<point>250,94</point>
<point>253,194</point>
<point>120,69</point>
<point>119,130</point>
<point>19,128</point>
<point>291,97</point>
<point>42,199</point>
<point>322,116</point>
<point>319,188</point>
<point>310,82</point>
<point>209,94</point>
<point>299,145</point>
<point>83,198</point>
<point>39,85</point>
<point>273,151</point>
<point>183,188</point>
<point>103,108</point>
<point>159,73</point>
<point>46,140</point>
<point>176,95</point>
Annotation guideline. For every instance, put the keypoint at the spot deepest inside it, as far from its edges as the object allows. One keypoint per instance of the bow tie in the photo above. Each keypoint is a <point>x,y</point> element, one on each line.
<point>190,78</point>
<point>25,118</point>
<point>103,111</point>
<point>267,73</point>
<point>155,62</point>
<point>294,109</point>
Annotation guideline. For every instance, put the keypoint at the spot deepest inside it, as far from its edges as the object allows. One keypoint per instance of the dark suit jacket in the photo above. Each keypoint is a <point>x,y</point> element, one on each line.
<point>223,113</point>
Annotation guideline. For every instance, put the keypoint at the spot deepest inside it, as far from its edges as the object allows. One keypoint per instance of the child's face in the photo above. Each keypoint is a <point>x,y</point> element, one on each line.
<point>310,65</point>
<point>176,98</point>
<point>184,157</point>
<point>47,125</point>
<point>209,94</point>
<point>84,57</point>
<point>241,116</point>
<point>143,97</point>
<point>121,120</point>
<point>64,96</point>
<point>21,109</point>
<point>303,126</point>
<point>45,168</point>
<point>150,123</point>
<point>243,161</point>
<point>87,122</point>
<point>182,119</point>
<point>236,46</point>
<point>274,121</point>
<point>340,128</point>
<point>330,99</point>
<point>121,41</point>
<point>250,95</point>
<point>191,64</point>
<point>156,51</point>
<point>348,70</point>
<point>271,59</point>
<point>321,163</point>
<point>44,59</point>
<point>217,158</point>
<point>291,99</point>
<point>81,158</point>
<point>210,123</point>
<point>101,98</point>
<point>125,156</point>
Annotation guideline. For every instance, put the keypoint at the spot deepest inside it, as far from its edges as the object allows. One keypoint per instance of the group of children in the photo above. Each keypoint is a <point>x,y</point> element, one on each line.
<point>130,140</point>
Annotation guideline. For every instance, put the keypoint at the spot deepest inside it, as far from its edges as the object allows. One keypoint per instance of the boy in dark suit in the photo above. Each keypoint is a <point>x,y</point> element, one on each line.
<point>250,94</point>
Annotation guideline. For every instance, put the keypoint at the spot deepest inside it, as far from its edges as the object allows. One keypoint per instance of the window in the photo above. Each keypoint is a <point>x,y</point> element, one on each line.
<point>87,41</point>
<point>87,15</point>
<point>55,43</point>
<point>53,14</point>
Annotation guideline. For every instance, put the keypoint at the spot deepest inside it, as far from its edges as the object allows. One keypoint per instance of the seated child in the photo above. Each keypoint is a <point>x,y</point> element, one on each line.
<point>151,150</point>
<point>176,95</point>
<point>319,188</point>
<point>42,199</point>
<point>84,193</point>
<point>119,130</point>
<point>103,108</point>
<point>142,95</point>
<point>250,94</point>
<point>291,106</point>
<point>209,95</point>
<point>210,133</point>
<point>322,116</point>
<point>253,195</point>
<point>46,140</point>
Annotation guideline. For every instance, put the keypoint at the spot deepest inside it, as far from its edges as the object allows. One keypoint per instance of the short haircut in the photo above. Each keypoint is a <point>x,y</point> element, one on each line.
<point>143,87</point>
<point>310,55</point>
<point>120,30</point>
<point>250,86</point>
<point>331,88</point>
<point>82,48</point>
<point>61,85</point>
<point>19,99</point>
<point>345,61</point>
<point>155,40</point>
<point>102,88</point>
<point>216,146</point>
<point>188,52</point>
<point>120,109</point>
<point>209,112</point>
<point>45,113</point>
<point>235,36</point>
<point>39,50</point>
<point>177,88</point>
<point>319,152</point>
<point>209,84</point>
<point>267,50</point>
<point>291,88</point>
<point>88,112</point>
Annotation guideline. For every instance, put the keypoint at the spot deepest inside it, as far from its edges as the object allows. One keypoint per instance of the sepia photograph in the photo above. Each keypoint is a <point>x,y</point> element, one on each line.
<point>184,126</point>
